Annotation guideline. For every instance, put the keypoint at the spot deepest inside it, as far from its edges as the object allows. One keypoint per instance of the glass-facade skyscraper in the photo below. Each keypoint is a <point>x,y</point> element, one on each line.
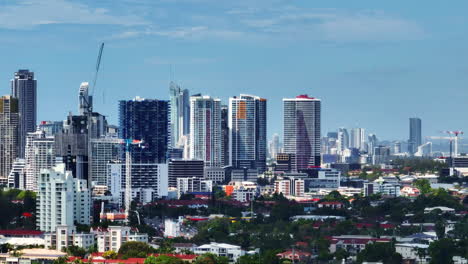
<point>415,135</point>
<point>180,113</point>
<point>247,132</point>
<point>301,131</point>
<point>146,120</point>
<point>24,88</point>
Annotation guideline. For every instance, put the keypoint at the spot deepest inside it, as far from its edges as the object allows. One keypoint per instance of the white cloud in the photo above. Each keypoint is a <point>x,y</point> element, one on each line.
<point>334,25</point>
<point>194,33</point>
<point>27,14</point>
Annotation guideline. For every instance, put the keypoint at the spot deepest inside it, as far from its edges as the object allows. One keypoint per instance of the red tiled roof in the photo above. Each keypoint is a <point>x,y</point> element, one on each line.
<point>17,232</point>
<point>134,260</point>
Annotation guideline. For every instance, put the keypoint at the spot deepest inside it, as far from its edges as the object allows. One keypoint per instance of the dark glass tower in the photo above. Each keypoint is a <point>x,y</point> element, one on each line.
<point>146,120</point>
<point>24,88</point>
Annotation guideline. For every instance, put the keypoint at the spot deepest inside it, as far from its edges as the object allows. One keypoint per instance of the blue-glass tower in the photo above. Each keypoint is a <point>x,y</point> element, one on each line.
<point>146,120</point>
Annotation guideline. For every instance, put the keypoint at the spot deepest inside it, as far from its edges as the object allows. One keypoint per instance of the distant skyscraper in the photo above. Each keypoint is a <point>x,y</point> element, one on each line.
<point>9,126</point>
<point>247,127</point>
<point>205,130</point>
<point>24,88</point>
<point>274,146</point>
<point>415,136</point>
<point>146,120</point>
<point>302,131</point>
<point>358,138</point>
<point>225,134</point>
<point>180,113</point>
<point>372,143</point>
<point>343,140</point>
<point>40,155</point>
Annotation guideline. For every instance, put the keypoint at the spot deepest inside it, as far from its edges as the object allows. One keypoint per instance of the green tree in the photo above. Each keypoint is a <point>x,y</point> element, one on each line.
<point>249,259</point>
<point>440,229</point>
<point>135,249</point>
<point>163,259</point>
<point>61,260</point>
<point>111,254</point>
<point>209,258</point>
<point>423,185</point>
<point>75,251</point>
<point>442,251</point>
<point>379,251</point>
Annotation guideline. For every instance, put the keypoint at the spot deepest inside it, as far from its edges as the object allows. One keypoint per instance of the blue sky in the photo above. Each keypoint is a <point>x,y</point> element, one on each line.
<point>373,63</point>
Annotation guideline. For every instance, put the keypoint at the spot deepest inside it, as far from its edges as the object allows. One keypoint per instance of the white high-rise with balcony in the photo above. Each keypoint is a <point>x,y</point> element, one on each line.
<point>205,130</point>
<point>61,199</point>
<point>40,154</point>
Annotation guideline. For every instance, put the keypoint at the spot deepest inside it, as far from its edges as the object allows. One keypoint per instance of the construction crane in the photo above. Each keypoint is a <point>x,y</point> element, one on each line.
<point>453,138</point>
<point>98,64</point>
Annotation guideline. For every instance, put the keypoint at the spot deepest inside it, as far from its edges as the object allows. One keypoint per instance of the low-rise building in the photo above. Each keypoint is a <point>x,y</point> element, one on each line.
<point>242,191</point>
<point>353,244</point>
<point>232,252</point>
<point>295,255</point>
<point>66,236</point>
<point>385,186</point>
<point>409,191</point>
<point>114,236</point>
<point>413,252</point>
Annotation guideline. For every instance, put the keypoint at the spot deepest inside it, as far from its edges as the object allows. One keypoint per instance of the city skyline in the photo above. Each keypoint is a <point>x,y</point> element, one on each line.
<point>361,75</point>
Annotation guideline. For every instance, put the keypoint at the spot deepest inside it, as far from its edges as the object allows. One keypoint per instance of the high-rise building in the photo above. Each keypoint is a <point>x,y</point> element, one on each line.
<point>24,88</point>
<point>343,140</point>
<point>247,127</point>
<point>61,199</point>
<point>184,169</point>
<point>9,127</point>
<point>180,113</point>
<point>40,155</point>
<point>415,135</point>
<point>372,143</point>
<point>205,130</point>
<point>274,146</point>
<point>358,138</point>
<point>103,151</point>
<point>72,143</point>
<point>225,134</point>
<point>146,120</point>
<point>302,131</point>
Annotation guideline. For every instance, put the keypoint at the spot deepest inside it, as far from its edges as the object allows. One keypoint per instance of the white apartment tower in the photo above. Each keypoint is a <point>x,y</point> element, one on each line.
<point>61,199</point>
<point>40,154</point>
<point>358,138</point>
<point>205,130</point>
<point>103,150</point>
